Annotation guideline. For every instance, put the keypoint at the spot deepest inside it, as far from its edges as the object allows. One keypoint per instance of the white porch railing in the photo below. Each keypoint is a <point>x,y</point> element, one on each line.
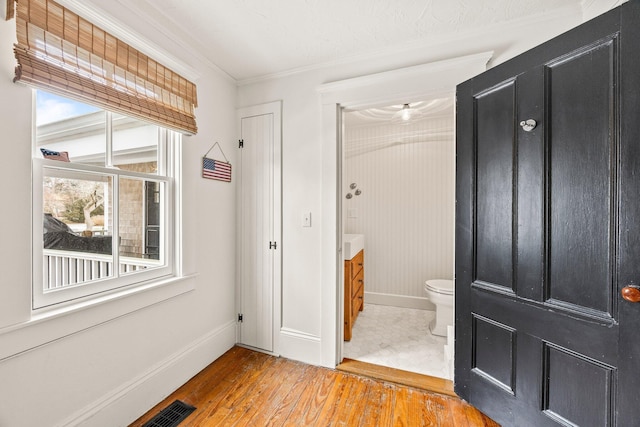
<point>66,268</point>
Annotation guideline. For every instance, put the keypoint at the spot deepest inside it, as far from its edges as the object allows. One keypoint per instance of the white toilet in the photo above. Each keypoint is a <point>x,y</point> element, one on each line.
<point>441,293</point>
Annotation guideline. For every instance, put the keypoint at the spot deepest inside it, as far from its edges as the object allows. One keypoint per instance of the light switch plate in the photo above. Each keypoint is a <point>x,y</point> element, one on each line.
<point>306,219</point>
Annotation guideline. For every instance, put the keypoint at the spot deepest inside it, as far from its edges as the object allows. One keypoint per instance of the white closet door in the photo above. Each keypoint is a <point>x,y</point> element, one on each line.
<point>258,241</point>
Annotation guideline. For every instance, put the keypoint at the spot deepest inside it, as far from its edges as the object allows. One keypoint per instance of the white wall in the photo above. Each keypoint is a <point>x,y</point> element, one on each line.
<point>301,192</point>
<point>310,169</point>
<point>406,210</point>
<point>106,365</point>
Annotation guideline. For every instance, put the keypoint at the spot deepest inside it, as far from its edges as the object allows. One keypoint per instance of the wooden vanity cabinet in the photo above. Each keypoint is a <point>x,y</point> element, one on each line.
<point>353,291</point>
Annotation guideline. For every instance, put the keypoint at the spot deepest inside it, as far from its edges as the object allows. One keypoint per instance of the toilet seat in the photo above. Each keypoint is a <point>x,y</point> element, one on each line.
<point>440,286</point>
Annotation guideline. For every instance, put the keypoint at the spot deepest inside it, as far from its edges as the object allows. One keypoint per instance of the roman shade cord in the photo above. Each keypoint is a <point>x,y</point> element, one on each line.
<point>219,148</point>
<point>10,10</point>
<point>57,50</point>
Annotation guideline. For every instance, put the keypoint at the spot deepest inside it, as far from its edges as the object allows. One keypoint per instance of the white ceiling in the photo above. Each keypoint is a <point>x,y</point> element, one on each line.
<point>253,38</point>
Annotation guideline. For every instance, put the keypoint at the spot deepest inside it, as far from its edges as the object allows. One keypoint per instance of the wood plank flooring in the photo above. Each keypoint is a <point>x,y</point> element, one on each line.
<point>248,388</point>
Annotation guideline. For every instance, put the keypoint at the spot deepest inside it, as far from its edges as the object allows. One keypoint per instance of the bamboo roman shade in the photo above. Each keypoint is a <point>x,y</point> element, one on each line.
<point>60,51</point>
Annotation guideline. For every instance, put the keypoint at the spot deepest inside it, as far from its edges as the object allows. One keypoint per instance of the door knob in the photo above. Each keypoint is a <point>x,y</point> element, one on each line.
<point>631,293</point>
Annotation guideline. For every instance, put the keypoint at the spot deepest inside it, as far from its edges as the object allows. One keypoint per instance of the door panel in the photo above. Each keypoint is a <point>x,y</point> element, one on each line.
<point>152,220</point>
<point>495,116</point>
<point>576,389</point>
<point>582,100</point>
<point>494,352</point>
<point>547,231</point>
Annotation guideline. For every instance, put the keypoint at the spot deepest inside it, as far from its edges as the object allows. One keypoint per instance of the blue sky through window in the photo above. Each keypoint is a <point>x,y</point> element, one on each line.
<point>52,108</point>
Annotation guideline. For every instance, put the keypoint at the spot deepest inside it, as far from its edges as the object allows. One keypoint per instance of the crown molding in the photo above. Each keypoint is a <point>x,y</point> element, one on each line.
<point>131,37</point>
<point>163,23</point>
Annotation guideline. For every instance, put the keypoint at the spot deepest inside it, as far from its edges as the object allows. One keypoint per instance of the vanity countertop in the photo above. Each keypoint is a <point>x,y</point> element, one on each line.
<point>352,244</point>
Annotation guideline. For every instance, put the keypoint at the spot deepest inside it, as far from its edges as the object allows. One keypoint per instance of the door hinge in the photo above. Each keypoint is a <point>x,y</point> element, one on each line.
<point>240,317</point>
<point>241,143</point>
<point>273,245</point>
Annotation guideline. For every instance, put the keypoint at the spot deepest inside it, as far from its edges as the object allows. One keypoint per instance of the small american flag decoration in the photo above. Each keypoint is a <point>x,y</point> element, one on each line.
<point>62,156</point>
<point>216,169</point>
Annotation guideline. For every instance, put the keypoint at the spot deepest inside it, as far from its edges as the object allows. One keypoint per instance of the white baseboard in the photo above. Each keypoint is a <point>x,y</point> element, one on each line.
<point>398,301</point>
<point>125,404</point>
<point>300,346</point>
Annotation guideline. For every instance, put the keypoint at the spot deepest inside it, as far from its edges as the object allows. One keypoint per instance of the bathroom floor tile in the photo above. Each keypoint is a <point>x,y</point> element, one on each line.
<point>398,338</point>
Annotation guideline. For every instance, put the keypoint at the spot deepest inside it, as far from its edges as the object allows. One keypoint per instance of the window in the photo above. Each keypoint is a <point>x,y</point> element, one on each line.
<point>103,172</point>
<point>103,191</point>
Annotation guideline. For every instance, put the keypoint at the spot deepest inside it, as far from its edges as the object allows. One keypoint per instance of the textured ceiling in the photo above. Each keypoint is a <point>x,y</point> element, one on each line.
<point>251,38</point>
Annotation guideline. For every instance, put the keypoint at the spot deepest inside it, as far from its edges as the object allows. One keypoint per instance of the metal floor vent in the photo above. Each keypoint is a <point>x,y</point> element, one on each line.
<point>171,416</point>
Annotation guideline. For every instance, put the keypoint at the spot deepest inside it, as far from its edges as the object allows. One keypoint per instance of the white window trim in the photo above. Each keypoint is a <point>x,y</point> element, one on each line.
<point>81,295</point>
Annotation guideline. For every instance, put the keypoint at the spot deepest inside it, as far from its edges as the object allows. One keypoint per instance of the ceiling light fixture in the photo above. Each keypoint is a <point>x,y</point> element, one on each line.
<point>406,112</point>
<point>406,115</point>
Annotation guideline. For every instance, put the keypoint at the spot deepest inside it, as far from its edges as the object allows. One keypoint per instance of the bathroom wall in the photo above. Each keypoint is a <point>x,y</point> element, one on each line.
<point>406,210</point>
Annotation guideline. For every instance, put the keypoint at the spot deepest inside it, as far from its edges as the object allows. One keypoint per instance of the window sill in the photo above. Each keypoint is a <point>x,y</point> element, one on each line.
<point>51,324</point>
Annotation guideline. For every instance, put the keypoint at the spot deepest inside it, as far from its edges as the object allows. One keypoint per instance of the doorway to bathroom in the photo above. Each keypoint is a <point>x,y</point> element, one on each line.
<point>398,191</point>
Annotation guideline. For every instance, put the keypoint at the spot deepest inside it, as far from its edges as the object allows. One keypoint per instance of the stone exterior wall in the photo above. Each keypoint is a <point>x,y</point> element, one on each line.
<point>132,210</point>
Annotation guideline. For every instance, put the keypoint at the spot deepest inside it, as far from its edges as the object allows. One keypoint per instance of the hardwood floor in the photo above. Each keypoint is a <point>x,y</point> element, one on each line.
<point>248,388</point>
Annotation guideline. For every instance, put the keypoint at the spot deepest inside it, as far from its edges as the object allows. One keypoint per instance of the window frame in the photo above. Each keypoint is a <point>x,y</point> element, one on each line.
<point>168,155</point>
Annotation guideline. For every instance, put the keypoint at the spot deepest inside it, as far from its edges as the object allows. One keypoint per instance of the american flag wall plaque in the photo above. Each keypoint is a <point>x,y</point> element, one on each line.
<point>216,169</point>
